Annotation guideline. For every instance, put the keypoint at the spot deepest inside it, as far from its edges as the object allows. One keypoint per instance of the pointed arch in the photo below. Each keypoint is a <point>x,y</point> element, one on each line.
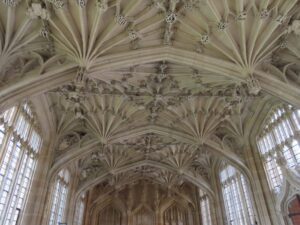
<point>20,145</point>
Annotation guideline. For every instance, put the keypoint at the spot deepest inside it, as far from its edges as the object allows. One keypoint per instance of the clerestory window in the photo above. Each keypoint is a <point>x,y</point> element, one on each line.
<point>59,198</point>
<point>236,196</point>
<point>80,208</point>
<point>20,143</point>
<point>205,208</point>
<point>278,143</point>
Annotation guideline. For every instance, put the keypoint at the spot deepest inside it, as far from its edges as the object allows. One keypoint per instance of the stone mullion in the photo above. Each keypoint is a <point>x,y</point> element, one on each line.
<point>19,162</point>
<point>59,197</point>
<point>290,150</point>
<point>292,122</point>
<point>233,188</point>
<point>8,134</point>
<point>4,182</point>
<point>20,186</point>
<point>8,166</point>
<point>25,152</point>
<point>14,179</point>
<point>219,207</point>
<point>38,199</point>
<point>65,198</point>
<point>244,202</point>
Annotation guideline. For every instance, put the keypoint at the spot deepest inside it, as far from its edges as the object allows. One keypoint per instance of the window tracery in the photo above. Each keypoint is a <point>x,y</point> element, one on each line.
<point>79,212</point>
<point>236,196</point>
<point>205,208</point>
<point>59,198</point>
<point>175,216</point>
<point>278,144</point>
<point>20,143</point>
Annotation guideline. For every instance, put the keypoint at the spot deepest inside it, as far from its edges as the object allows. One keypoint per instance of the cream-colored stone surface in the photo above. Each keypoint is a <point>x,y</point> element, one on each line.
<point>150,95</point>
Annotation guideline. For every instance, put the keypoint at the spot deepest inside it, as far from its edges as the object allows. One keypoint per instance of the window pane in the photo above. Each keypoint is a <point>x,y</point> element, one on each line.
<point>236,196</point>
<point>80,207</point>
<point>17,166</point>
<point>59,198</point>
<point>282,127</point>
<point>205,208</point>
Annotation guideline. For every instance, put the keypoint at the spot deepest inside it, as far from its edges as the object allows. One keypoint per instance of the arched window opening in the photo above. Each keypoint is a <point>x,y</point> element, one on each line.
<point>59,198</point>
<point>174,215</point>
<point>79,212</point>
<point>205,208</point>
<point>20,143</point>
<point>236,196</point>
<point>278,143</point>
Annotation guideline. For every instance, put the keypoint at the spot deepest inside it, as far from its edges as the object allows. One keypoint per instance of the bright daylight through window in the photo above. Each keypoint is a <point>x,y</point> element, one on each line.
<point>20,144</point>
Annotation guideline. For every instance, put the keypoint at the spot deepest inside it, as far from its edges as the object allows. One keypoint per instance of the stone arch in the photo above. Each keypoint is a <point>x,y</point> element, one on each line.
<point>73,155</point>
<point>201,183</point>
<point>143,215</point>
<point>110,212</point>
<point>175,211</point>
<point>65,73</point>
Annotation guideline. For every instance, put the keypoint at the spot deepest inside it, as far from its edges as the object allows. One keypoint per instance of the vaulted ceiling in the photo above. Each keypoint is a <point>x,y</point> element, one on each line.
<point>170,85</point>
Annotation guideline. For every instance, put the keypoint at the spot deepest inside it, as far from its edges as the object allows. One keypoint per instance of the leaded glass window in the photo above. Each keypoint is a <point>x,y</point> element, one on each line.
<point>205,208</point>
<point>236,196</point>
<point>59,198</point>
<point>17,160</point>
<point>79,213</point>
<point>279,141</point>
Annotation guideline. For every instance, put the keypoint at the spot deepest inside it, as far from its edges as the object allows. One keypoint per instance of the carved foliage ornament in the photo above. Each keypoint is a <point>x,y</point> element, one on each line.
<point>81,3</point>
<point>10,3</point>
<point>121,20</point>
<point>76,93</point>
<point>171,17</point>
<point>265,13</point>
<point>37,11</point>
<point>102,5</point>
<point>253,85</point>
<point>222,25</point>
<point>295,27</point>
<point>59,4</point>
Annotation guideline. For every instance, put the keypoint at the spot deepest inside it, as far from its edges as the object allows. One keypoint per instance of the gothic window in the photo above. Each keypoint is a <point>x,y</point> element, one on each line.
<point>205,208</point>
<point>278,143</point>
<point>59,198</point>
<point>79,213</point>
<point>20,143</point>
<point>236,196</point>
<point>175,216</point>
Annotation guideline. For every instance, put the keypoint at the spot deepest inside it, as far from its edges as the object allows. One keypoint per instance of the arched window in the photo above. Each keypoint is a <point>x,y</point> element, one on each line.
<point>205,208</point>
<point>175,215</point>
<point>236,196</point>
<point>79,212</point>
<point>278,141</point>
<point>59,198</point>
<point>20,143</point>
